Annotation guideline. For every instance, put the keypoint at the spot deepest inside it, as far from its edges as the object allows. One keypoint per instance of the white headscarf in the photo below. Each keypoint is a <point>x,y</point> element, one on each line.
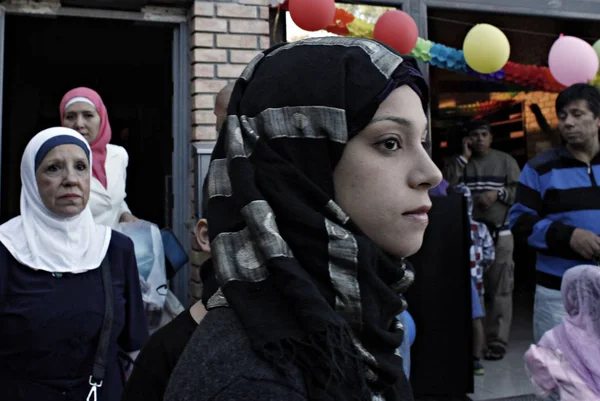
<point>43,241</point>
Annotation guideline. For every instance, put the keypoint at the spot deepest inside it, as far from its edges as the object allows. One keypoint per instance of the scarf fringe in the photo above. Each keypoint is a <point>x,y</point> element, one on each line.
<point>328,358</point>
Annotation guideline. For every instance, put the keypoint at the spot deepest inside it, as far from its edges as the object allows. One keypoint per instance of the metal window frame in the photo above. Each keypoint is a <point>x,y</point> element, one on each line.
<point>202,154</point>
<point>181,112</point>
<point>498,7</point>
<point>490,6</point>
<point>420,9</point>
<point>2,25</point>
<point>383,3</point>
<point>171,16</point>
<point>181,152</point>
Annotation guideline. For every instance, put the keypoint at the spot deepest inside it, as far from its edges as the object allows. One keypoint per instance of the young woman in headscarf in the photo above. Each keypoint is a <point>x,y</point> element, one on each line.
<point>52,288</point>
<point>318,189</point>
<point>565,364</point>
<point>82,109</point>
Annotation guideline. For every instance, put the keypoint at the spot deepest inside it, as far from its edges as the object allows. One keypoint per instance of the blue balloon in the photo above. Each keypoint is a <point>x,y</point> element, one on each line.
<point>409,325</point>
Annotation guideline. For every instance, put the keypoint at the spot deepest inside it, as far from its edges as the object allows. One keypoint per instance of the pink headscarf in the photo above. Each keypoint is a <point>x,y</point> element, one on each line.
<point>578,336</point>
<point>104,133</point>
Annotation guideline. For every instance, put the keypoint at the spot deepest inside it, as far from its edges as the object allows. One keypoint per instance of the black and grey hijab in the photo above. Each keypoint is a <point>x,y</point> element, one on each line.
<point>310,289</point>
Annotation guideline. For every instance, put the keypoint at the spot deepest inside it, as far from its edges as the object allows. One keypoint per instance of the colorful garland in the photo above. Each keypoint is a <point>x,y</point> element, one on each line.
<point>529,76</point>
<point>438,55</point>
<point>468,110</point>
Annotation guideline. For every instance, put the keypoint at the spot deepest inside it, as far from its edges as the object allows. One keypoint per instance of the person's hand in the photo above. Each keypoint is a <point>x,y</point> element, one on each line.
<point>466,148</point>
<point>128,218</point>
<point>585,243</point>
<point>487,199</point>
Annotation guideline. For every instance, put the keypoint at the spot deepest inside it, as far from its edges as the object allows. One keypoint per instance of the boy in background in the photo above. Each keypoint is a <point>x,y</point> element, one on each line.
<point>482,254</point>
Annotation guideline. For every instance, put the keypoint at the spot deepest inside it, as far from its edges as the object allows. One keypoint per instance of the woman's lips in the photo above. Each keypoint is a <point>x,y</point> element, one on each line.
<point>418,215</point>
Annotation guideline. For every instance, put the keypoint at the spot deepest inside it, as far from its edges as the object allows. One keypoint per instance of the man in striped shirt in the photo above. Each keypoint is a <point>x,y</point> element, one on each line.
<point>557,209</point>
<point>492,177</point>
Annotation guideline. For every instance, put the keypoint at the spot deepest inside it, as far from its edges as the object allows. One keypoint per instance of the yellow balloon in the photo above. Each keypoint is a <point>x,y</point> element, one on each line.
<point>486,48</point>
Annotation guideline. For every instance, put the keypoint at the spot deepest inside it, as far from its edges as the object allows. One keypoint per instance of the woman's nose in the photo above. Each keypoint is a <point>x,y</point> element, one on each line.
<point>70,177</point>
<point>80,122</point>
<point>426,175</point>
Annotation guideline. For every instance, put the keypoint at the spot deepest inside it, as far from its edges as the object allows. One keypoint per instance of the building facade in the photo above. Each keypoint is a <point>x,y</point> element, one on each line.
<point>212,41</point>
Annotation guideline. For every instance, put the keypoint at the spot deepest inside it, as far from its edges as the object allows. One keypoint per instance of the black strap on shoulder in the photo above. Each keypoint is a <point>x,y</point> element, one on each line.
<point>100,360</point>
<point>4,261</point>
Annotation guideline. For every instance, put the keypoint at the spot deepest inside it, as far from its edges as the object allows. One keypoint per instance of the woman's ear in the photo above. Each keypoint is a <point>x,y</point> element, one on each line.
<point>202,235</point>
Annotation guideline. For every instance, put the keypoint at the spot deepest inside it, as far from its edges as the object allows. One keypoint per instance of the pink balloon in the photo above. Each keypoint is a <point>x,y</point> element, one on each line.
<point>572,61</point>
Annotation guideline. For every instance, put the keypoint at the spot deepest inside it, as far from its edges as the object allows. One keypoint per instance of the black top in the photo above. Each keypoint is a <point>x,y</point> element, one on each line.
<point>158,358</point>
<point>220,365</point>
<point>50,326</point>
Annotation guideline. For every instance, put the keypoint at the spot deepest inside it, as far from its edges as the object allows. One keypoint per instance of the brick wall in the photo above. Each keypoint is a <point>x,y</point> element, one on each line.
<point>225,36</point>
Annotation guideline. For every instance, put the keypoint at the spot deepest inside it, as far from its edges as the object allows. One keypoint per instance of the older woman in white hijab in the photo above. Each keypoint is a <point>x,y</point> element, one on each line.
<point>54,264</point>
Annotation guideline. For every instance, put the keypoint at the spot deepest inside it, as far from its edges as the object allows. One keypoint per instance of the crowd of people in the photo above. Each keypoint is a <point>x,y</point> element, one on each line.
<point>318,189</point>
<point>552,207</point>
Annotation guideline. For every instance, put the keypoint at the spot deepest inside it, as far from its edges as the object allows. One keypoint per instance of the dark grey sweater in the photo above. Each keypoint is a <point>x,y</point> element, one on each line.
<point>496,171</point>
<point>219,364</point>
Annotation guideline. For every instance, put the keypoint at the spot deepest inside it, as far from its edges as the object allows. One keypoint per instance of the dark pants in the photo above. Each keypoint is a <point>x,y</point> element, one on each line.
<point>499,283</point>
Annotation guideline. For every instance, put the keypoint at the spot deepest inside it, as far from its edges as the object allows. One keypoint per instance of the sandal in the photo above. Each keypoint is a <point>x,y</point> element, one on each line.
<point>494,353</point>
<point>478,367</point>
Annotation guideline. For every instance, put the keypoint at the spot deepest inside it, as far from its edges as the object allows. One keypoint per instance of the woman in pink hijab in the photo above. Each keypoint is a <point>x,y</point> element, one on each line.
<point>82,109</point>
<point>566,361</point>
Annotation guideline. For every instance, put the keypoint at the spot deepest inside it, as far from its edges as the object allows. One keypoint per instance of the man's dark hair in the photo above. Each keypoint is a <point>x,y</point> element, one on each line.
<point>577,92</point>
<point>204,206</point>
<point>478,124</point>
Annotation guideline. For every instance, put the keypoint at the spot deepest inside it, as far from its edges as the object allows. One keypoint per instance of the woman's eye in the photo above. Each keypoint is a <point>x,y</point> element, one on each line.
<point>81,166</point>
<point>53,168</point>
<point>390,144</point>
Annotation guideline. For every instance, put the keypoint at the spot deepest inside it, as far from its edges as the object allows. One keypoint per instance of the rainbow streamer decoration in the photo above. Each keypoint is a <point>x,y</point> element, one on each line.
<point>441,56</point>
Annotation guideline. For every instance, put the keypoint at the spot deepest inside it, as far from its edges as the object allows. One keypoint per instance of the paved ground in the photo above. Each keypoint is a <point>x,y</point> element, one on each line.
<point>507,378</point>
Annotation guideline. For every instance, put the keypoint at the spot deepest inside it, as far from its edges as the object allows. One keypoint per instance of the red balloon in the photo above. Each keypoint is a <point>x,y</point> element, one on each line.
<point>397,29</point>
<point>312,15</point>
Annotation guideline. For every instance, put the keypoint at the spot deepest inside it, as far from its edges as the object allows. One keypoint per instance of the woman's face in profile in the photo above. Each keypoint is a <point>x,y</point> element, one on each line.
<point>83,118</point>
<point>63,180</point>
<point>385,172</point>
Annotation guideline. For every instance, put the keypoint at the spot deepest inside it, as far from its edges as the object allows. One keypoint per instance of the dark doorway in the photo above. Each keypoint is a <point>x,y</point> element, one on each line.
<point>128,63</point>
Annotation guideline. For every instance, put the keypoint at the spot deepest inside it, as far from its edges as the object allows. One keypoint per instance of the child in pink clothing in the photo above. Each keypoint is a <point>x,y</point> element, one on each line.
<point>565,364</point>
